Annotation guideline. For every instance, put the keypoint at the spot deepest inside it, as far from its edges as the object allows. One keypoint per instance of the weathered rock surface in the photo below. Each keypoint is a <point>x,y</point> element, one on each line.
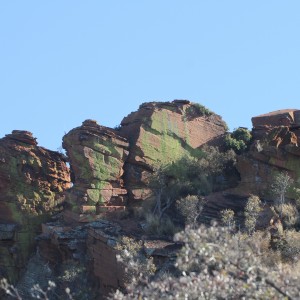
<point>274,149</point>
<point>262,124</point>
<point>32,180</point>
<point>97,155</point>
<point>162,132</point>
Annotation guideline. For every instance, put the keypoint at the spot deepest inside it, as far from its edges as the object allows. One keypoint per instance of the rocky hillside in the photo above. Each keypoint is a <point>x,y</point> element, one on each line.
<point>109,173</point>
<point>111,167</point>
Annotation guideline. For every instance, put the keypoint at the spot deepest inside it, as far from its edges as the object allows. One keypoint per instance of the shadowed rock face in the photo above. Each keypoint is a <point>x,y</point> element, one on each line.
<point>32,182</point>
<point>97,156</point>
<point>274,149</point>
<point>162,132</point>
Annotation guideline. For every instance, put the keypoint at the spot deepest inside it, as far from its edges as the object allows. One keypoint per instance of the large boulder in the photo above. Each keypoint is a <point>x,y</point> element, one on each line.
<point>97,155</point>
<point>32,182</point>
<point>162,132</point>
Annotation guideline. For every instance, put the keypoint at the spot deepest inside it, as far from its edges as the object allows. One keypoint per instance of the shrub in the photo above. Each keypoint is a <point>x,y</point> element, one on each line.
<point>282,182</point>
<point>133,259</point>
<point>289,214</point>
<point>239,140</point>
<point>252,209</point>
<point>160,226</point>
<point>197,109</point>
<point>214,264</point>
<point>190,208</point>
<point>227,217</point>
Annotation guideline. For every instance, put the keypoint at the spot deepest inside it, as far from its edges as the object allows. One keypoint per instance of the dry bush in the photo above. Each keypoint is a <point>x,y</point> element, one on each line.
<point>252,209</point>
<point>227,217</point>
<point>289,214</point>
<point>160,226</point>
<point>190,208</point>
<point>215,264</point>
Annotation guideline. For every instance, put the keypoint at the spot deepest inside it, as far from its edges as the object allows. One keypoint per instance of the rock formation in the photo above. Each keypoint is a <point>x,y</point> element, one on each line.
<point>108,165</point>
<point>162,132</point>
<point>97,155</point>
<point>110,170</point>
<point>274,149</point>
<point>32,182</point>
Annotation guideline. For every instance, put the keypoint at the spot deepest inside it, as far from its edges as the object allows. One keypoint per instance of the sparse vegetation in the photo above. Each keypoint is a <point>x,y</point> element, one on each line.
<point>227,217</point>
<point>252,209</point>
<point>215,264</point>
<point>196,110</point>
<point>239,140</point>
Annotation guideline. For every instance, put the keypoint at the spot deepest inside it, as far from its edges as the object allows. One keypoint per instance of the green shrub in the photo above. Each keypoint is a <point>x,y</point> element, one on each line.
<point>239,140</point>
<point>190,208</point>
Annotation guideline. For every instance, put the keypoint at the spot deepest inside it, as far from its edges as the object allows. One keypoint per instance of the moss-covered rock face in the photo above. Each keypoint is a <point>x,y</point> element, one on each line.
<point>32,180</point>
<point>97,156</point>
<point>162,132</point>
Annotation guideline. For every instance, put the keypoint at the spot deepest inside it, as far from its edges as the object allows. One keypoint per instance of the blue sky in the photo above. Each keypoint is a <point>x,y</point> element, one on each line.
<point>62,62</point>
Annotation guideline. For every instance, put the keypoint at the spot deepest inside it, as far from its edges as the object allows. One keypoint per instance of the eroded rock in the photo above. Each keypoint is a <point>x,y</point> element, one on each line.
<point>97,155</point>
<point>32,182</point>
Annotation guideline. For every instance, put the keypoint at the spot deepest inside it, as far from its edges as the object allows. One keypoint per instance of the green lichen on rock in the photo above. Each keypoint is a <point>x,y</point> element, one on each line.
<point>163,132</point>
<point>97,156</point>
<point>31,181</point>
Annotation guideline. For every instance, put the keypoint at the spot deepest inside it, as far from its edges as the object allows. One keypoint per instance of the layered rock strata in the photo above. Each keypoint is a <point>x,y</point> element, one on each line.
<point>97,155</point>
<point>32,182</point>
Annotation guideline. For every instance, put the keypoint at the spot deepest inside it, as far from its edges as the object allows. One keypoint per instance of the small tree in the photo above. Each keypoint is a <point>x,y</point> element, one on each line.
<point>227,217</point>
<point>280,186</point>
<point>190,208</point>
<point>252,209</point>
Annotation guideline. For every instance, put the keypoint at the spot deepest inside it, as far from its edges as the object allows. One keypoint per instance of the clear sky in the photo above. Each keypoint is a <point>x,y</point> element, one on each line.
<point>64,61</point>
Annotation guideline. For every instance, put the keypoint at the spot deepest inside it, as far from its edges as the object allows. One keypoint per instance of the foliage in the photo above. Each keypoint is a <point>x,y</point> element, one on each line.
<point>280,186</point>
<point>191,176</point>
<point>214,264</point>
<point>289,214</point>
<point>131,256</point>
<point>227,217</point>
<point>185,178</point>
<point>36,291</point>
<point>242,134</point>
<point>160,226</point>
<point>239,140</point>
<point>198,110</point>
<point>252,209</point>
<point>190,208</point>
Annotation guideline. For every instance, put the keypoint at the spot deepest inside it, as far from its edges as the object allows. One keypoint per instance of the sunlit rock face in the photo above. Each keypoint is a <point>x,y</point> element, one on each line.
<point>32,182</point>
<point>163,132</point>
<point>274,149</point>
<point>97,155</point>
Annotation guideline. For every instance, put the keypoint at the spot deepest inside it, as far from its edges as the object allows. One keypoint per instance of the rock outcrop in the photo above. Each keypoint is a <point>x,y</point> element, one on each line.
<point>97,155</point>
<point>32,182</point>
<point>162,132</point>
<point>110,166</point>
<point>275,149</point>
